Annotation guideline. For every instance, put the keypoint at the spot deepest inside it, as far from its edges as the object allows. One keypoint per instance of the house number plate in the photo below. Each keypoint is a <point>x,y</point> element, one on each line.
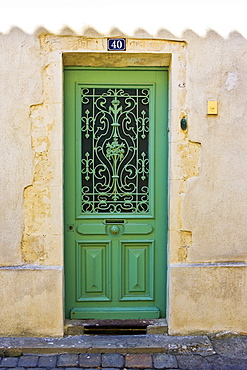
<point>116,44</point>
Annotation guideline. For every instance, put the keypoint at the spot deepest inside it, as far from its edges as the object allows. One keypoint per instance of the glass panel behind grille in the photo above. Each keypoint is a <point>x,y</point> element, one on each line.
<point>115,150</point>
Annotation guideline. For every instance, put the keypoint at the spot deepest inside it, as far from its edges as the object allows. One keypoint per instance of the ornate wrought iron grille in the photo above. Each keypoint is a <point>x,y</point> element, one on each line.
<point>115,150</point>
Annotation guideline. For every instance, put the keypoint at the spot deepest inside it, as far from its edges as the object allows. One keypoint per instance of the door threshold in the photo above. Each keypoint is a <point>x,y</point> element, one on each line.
<point>115,327</point>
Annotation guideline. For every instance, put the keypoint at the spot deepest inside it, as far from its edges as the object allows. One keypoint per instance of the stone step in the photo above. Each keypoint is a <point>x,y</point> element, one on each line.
<point>115,327</point>
<point>123,344</point>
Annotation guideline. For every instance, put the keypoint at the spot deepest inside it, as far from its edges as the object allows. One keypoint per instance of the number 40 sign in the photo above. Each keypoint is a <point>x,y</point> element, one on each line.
<point>116,44</point>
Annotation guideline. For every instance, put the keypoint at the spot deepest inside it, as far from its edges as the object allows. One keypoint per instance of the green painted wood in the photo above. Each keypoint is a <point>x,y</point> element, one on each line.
<point>115,313</point>
<point>137,270</point>
<point>107,275</point>
<point>91,229</point>
<point>138,229</point>
<point>92,271</point>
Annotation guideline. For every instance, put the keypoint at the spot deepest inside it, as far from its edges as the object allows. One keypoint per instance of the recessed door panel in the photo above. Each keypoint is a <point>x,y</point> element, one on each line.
<point>137,270</point>
<point>93,271</point>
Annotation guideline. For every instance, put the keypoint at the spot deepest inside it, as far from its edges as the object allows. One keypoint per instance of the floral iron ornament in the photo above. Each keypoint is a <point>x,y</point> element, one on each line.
<point>115,142</point>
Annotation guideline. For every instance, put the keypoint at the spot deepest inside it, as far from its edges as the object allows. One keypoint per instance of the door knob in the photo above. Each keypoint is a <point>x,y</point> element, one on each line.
<point>114,229</point>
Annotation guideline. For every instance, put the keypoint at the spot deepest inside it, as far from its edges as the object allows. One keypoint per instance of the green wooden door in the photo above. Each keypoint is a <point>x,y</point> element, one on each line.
<point>115,190</point>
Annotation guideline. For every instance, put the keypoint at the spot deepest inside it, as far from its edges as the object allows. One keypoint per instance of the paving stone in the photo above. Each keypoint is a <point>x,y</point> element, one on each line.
<point>90,360</point>
<point>68,360</point>
<point>134,368</point>
<point>47,361</point>
<point>164,361</point>
<point>9,362</point>
<point>112,360</point>
<point>28,361</point>
<point>109,368</point>
<point>140,361</point>
<point>14,368</point>
<point>193,362</point>
<point>235,347</point>
<point>226,363</point>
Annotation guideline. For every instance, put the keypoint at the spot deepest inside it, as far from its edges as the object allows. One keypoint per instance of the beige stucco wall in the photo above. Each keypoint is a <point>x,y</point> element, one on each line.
<point>207,187</point>
<point>208,255</point>
<point>31,247</point>
<point>31,301</point>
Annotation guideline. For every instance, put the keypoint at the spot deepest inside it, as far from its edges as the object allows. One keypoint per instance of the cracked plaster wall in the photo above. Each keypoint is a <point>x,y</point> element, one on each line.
<point>30,229</point>
<point>215,202</point>
<point>207,185</point>
<point>20,86</point>
<point>209,262</point>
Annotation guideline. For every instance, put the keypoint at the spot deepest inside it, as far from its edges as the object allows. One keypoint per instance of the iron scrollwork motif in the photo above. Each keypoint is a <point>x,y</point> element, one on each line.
<point>115,150</point>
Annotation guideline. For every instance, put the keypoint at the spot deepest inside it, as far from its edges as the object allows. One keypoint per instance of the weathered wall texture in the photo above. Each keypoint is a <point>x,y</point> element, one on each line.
<point>216,199</point>
<point>207,256</point>
<point>208,266</point>
<point>29,302</point>
<point>31,204</point>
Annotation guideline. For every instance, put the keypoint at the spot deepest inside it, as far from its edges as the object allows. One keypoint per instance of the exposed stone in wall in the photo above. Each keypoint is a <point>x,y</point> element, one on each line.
<point>20,86</point>
<point>185,243</point>
<point>190,161</point>
<point>37,197</point>
<point>189,154</point>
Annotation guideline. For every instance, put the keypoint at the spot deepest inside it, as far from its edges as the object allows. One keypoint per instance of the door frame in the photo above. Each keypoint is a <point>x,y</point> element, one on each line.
<point>59,50</point>
<point>74,50</point>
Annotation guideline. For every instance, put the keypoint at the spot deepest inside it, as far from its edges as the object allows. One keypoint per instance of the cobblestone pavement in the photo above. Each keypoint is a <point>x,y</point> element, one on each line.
<point>224,354</point>
<point>110,361</point>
